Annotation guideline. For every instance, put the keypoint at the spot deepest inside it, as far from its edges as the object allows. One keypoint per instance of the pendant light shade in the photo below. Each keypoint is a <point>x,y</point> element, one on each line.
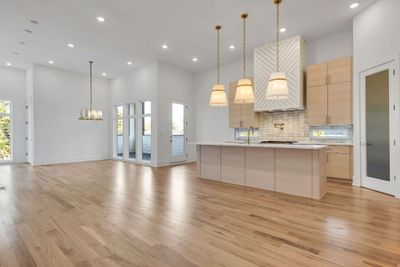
<point>244,90</point>
<point>91,114</point>
<point>218,95</point>
<point>277,85</point>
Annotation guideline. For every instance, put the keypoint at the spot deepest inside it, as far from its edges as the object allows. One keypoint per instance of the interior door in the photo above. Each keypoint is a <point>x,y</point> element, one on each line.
<point>178,132</point>
<point>379,128</point>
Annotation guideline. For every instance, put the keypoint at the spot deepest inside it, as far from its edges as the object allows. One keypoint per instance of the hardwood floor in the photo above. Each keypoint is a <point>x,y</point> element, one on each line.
<point>110,213</point>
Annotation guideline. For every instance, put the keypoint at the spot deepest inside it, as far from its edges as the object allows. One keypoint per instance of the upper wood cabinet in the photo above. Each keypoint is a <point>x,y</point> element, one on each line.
<point>329,92</point>
<point>241,115</point>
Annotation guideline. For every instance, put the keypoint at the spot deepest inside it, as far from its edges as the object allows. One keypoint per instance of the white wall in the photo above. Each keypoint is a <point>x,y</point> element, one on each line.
<point>12,87</point>
<point>331,47</point>
<point>376,39</point>
<point>58,134</point>
<point>132,87</point>
<point>173,85</point>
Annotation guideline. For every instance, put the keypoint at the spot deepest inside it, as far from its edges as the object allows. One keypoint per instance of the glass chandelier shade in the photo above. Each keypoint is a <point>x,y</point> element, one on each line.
<point>244,90</point>
<point>277,85</point>
<point>90,113</point>
<point>218,95</point>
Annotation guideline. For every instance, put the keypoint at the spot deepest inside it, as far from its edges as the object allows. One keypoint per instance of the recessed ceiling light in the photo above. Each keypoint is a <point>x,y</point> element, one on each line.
<point>101,19</point>
<point>282,30</point>
<point>231,47</point>
<point>8,64</point>
<point>354,5</point>
<point>164,46</point>
<point>16,53</point>
<point>22,43</point>
<point>51,62</point>
<point>28,31</point>
<point>104,74</point>
<point>195,59</point>
<point>129,62</point>
<point>71,45</point>
<point>34,22</point>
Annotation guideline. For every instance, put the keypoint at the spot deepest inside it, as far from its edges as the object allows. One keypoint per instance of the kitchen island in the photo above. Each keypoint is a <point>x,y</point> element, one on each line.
<point>287,168</point>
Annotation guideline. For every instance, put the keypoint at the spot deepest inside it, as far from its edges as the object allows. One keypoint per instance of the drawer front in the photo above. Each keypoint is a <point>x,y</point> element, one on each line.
<point>339,149</point>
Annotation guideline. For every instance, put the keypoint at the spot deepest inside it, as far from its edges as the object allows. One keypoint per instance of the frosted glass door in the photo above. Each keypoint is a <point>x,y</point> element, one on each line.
<point>378,125</point>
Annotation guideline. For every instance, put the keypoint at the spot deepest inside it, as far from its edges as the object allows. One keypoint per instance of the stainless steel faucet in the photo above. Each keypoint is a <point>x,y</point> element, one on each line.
<point>248,134</point>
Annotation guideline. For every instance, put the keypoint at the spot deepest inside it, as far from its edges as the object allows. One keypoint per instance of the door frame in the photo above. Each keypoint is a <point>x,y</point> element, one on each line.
<point>388,187</point>
<point>183,158</point>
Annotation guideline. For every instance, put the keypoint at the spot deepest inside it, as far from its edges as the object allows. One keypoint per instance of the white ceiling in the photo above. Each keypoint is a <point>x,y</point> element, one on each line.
<point>134,30</point>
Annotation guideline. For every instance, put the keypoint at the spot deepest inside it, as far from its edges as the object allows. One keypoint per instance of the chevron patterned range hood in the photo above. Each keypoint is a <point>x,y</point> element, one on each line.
<point>292,63</point>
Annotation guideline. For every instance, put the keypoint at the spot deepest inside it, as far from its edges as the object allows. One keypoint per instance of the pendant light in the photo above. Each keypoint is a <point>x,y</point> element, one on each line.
<point>244,91</point>
<point>218,95</point>
<point>91,113</point>
<point>278,85</point>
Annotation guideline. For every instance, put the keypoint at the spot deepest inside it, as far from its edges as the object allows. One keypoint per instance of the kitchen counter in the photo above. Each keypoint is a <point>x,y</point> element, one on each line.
<point>287,168</point>
<point>291,146</point>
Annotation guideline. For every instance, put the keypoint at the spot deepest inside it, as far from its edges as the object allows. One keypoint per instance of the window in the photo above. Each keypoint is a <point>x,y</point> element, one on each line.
<point>146,130</point>
<point>241,134</point>
<point>119,127</point>
<point>132,130</point>
<point>5,130</point>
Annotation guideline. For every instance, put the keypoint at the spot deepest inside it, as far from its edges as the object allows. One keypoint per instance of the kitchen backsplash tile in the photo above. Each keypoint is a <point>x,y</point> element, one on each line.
<point>294,127</point>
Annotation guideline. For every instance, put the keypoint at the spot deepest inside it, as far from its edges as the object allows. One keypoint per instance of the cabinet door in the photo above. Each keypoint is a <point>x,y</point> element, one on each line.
<point>317,101</point>
<point>340,103</point>
<point>339,162</point>
<point>317,75</point>
<point>340,70</point>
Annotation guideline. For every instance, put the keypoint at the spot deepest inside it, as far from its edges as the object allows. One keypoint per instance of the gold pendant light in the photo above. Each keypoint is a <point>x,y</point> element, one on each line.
<point>244,91</point>
<point>91,114</point>
<point>218,95</point>
<point>278,85</point>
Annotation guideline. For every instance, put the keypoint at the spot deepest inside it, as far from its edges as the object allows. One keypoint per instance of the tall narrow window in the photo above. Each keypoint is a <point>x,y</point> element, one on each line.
<point>132,130</point>
<point>146,130</point>
<point>5,130</point>
<point>119,131</point>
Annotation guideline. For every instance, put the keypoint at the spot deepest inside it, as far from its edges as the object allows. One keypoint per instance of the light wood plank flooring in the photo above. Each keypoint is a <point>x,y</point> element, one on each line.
<point>110,213</point>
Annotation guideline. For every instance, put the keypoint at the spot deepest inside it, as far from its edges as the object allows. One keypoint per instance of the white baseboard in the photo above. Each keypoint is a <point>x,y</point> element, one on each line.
<point>67,160</point>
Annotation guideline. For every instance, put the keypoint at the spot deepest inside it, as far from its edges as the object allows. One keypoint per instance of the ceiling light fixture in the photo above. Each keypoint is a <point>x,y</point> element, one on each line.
<point>101,19</point>
<point>16,53</point>
<point>282,30</point>
<point>8,64</point>
<point>278,85</point>
<point>22,43</point>
<point>129,63</point>
<point>104,74</point>
<point>218,95</point>
<point>195,59</point>
<point>28,31</point>
<point>232,47</point>
<point>51,62</point>
<point>91,114</point>
<point>354,5</point>
<point>244,91</point>
<point>71,45</point>
<point>164,46</point>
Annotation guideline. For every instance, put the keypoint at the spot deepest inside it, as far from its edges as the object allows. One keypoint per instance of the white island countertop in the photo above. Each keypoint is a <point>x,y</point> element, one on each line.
<point>236,144</point>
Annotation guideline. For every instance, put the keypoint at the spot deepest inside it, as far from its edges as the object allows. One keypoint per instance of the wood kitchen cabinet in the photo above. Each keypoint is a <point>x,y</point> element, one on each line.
<point>329,92</point>
<point>241,115</point>
<point>339,162</point>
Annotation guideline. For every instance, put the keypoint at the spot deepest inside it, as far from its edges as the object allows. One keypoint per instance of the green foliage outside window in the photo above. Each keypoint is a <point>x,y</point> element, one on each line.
<point>5,127</point>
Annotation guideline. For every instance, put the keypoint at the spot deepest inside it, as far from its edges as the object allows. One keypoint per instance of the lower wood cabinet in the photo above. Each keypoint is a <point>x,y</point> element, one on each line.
<point>260,168</point>
<point>233,165</point>
<point>339,162</point>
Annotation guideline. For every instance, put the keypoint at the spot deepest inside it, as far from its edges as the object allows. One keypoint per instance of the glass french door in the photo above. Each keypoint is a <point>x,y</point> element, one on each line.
<point>379,123</point>
<point>178,132</point>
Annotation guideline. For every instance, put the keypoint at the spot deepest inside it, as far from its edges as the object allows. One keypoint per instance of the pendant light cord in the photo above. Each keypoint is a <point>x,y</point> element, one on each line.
<point>277,36</point>
<point>91,84</point>
<point>218,54</point>
<point>244,16</point>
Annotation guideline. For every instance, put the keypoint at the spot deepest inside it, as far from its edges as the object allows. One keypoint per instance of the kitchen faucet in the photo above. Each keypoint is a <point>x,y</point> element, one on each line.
<point>248,134</point>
